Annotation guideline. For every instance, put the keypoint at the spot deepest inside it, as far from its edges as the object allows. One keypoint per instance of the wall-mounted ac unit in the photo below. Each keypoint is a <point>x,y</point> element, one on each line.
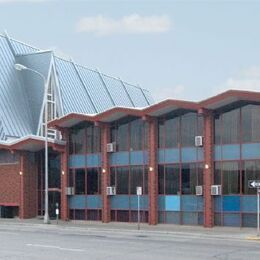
<point>199,190</point>
<point>198,141</point>
<point>111,147</point>
<point>215,190</point>
<point>70,191</point>
<point>111,190</point>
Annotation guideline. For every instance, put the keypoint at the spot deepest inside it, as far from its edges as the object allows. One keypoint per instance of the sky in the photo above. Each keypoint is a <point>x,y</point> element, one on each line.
<point>188,50</point>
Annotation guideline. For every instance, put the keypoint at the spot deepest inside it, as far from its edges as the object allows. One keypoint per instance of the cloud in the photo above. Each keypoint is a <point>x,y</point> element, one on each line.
<point>248,79</point>
<point>131,24</point>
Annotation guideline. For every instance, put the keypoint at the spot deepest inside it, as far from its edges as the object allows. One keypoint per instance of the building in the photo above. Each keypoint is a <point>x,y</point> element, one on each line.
<point>193,160</point>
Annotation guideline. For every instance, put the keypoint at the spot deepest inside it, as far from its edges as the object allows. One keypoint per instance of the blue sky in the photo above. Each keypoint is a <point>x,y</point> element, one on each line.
<point>176,49</point>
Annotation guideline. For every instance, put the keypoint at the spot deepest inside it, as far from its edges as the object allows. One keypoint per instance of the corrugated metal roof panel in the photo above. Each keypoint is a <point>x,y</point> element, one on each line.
<point>136,95</point>
<point>73,93</point>
<point>148,96</point>
<point>14,106</point>
<point>118,92</point>
<point>33,83</point>
<point>22,48</point>
<point>96,88</point>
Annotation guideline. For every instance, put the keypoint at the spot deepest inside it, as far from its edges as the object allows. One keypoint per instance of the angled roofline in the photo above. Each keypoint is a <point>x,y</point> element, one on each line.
<point>157,109</point>
<point>230,94</point>
<point>30,140</point>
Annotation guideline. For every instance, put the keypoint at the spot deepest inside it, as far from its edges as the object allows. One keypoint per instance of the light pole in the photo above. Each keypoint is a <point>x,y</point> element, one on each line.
<point>21,67</point>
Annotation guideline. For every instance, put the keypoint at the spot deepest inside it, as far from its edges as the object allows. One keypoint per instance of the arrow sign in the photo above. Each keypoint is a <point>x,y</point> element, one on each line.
<point>255,184</point>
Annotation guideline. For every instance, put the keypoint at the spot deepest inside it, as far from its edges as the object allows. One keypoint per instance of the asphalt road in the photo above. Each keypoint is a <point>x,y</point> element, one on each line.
<point>53,242</point>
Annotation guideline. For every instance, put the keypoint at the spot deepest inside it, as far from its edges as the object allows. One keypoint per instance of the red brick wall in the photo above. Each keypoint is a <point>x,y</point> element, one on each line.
<point>64,177</point>
<point>209,170</point>
<point>106,216</point>
<point>10,183</point>
<point>29,205</point>
<point>152,174</point>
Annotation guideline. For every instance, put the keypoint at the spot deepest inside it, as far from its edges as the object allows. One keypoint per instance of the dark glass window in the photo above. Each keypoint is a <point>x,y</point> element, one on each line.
<point>54,171</point>
<point>93,177</point>
<point>77,137</point>
<point>230,178</point>
<point>161,134</point>
<point>136,178</point>
<point>230,126</point>
<point>218,129</point>
<point>122,180</point>
<point>71,178</point>
<point>79,181</point>
<point>93,139</point>
<point>122,137</point>
<point>250,123</point>
<point>136,134</point>
<point>171,132</point>
<point>251,172</point>
<point>161,179</point>
<point>217,174</point>
<point>188,129</point>
<point>192,176</point>
<point>172,181</point>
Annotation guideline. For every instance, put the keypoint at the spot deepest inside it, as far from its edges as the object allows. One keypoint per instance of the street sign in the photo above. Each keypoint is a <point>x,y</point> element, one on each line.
<point>139,191</point>
<point>254,184</point>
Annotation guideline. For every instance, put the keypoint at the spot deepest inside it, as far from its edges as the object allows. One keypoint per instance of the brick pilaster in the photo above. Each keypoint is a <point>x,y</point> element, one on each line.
<point>64,211</point>
<point>105,173</point>
<point>209,168</point>
<point>152,171</point>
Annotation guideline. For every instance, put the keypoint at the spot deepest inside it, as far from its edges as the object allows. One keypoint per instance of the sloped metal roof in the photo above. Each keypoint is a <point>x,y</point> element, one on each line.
<point>81,90</point>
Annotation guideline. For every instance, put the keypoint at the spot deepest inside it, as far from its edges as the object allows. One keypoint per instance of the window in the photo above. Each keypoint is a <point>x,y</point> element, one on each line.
<point>93,181</point>
<point>126,179</point>
<point>130,134</point>
<point>188,129</point>
<point>79,181</point>
<point>85,138</point>
<point>250,123</point>
<point>230,129</point>
<point>172,179</point>
<point>227,174</point>
<point>77,137</point>
<point>136,178</point>
<point>251,172</point>
<point>192,176</point>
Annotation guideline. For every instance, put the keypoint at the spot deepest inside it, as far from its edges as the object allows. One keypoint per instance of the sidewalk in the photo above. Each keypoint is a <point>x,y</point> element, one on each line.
<point>160,229</point>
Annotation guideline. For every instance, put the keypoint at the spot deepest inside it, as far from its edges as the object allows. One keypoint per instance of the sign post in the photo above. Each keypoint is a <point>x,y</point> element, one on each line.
<point>255,184</point>
<point>57,212</point>
<point>138,193</point>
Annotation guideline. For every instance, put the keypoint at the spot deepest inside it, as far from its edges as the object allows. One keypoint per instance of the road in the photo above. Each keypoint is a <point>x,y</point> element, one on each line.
<point>54,242</point>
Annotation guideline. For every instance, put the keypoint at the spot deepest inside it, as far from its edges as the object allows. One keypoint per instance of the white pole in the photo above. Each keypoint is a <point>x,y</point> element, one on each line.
<point>46,209</point>
<point>258,209</point>
<point>138,207</point>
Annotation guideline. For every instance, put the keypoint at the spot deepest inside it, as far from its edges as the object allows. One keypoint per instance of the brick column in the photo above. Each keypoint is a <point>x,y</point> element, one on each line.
<point>64,177</point>
<point>152,171</point>
<point>28,176</point>
<point>21,206</point>
<point>209,168</point>
<point>105,173</point>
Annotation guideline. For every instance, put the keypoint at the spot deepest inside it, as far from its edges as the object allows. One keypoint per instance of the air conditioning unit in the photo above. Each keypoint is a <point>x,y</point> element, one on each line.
<point>70,191</point>
<point>111,147</point>
<point>199,190</point>
<point>111,190</point>
<point>215,190</point>
<point>198,141</point>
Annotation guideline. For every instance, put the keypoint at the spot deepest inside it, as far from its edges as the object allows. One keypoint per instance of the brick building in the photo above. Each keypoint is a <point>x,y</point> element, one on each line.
<point>193,160</point>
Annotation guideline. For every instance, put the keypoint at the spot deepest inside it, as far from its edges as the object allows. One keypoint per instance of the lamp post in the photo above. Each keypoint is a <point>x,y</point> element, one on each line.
<point>21,67</point>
